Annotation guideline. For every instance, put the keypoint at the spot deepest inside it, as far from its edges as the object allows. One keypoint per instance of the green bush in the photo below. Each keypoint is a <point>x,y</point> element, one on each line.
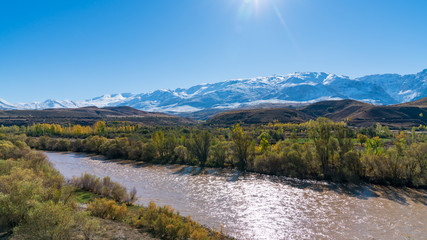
<point>47,220</point>
<point>21,190</point>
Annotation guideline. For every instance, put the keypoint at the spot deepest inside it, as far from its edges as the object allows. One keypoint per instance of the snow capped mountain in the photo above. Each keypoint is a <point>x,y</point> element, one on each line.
<point>106,100</point>
<point>277,89</point>
<point>292,88</point>
<point>403,88</point>
<point>5,105</point>
<point>50,103</point>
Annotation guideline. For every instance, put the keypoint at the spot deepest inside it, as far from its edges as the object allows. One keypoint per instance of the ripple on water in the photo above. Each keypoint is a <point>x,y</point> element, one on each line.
<point>254,206</point>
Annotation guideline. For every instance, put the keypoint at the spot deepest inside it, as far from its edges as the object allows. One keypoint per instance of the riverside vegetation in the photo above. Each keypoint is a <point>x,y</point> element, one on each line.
<point>319,149</point>
<point>37,203</point>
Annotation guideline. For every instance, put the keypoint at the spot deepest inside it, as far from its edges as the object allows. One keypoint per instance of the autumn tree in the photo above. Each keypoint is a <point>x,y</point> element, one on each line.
<point>100,128</point>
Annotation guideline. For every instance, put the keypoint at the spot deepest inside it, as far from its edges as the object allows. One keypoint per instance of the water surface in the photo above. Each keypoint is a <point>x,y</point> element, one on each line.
<point>255,206</point>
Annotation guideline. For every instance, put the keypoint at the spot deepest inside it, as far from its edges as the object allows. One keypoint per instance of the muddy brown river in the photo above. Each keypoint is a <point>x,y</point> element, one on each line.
<point>255,206</point>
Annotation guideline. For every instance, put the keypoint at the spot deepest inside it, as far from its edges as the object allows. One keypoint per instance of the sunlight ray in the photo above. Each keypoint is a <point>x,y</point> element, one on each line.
<point>285,26</point>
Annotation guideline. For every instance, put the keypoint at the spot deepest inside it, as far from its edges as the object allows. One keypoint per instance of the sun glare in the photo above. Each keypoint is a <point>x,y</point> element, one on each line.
<point>248,8</point>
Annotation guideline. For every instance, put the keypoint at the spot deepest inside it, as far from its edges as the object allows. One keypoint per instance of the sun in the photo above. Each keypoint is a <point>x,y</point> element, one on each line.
<point>248,8</point>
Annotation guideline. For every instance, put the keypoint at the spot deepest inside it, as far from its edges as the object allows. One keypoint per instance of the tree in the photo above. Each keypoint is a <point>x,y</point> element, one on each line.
<point>345,143</point>
<point>345,146</point>
<point>242,143</point>
<point>220,152</point>
<point>158,140</point>
<point>294,135</point>
<point>321,133</point>
<point>362,139</point>
<point>100,128</point>
<point>264,146</point>
<point>169,147</point>
<point>199,145</point>
<point>376,145</point>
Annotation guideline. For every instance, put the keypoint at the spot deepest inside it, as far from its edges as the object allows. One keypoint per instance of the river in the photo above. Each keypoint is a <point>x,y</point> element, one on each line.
<point>256,206</point>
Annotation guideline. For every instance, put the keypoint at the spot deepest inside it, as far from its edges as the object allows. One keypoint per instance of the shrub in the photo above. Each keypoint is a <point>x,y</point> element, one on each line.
<point>167,224</point>
<point>46,220</point>
<point>148,152</point>
<point>132,196</point>
<point>118,193</point>
<point>220,154</point>
<point>181,154</point>
<point>36,160</point>
<point>19,192</point>
<point>62,145</point>
<point>77,145</point>
<point>88,182</point>
<point>6,147</point>
<point>87,224</point>
<point>104,187</point>
<point>108,209</point>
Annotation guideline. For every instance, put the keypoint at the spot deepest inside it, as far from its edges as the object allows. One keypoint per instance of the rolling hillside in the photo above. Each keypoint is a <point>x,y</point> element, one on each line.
<point>354,112</point>
<point>259,116</point>
<point>88,116</point>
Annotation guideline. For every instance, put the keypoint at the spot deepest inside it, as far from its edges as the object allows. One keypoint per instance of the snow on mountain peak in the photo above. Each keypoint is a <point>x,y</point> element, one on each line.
<point>299,87</point>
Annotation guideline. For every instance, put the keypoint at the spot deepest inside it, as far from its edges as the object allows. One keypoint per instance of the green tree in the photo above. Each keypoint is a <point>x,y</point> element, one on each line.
<point>345,145</point>
<point>221,153</point>
<point>321,133</point>
<point>242,143</point>
<point>375,145</point>
<point>199,145</point>
<point>294,135</point>
<point>362,139</point>
<point>158,140</point>
<point>264,145</point>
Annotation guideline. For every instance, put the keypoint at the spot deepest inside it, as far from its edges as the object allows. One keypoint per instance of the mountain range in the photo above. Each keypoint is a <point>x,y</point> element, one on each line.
<point>283,90</point>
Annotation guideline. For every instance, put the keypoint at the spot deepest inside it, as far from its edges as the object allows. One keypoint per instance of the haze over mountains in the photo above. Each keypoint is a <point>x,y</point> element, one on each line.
<point>291,89</point>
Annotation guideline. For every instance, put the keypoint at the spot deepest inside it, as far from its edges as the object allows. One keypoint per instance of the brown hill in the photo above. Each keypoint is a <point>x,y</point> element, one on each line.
<point>394,116</point>
<point>335,110</point>
<point>259,116</point>
<point>356,114</point>
<point>422,103</point>
<point>88,116</point>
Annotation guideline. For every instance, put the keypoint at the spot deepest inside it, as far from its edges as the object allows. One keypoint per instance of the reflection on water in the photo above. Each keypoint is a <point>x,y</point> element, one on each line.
<point>254,206</point>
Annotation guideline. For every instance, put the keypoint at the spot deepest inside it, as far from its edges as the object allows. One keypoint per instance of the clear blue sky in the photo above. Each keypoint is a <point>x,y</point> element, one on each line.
<point>80,49</point>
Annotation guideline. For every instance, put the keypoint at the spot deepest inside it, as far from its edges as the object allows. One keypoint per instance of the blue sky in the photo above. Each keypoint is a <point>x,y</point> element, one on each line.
<point>80,49</point>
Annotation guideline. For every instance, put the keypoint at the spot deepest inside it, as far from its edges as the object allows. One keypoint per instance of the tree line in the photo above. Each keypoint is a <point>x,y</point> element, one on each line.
<point>319,149</point>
